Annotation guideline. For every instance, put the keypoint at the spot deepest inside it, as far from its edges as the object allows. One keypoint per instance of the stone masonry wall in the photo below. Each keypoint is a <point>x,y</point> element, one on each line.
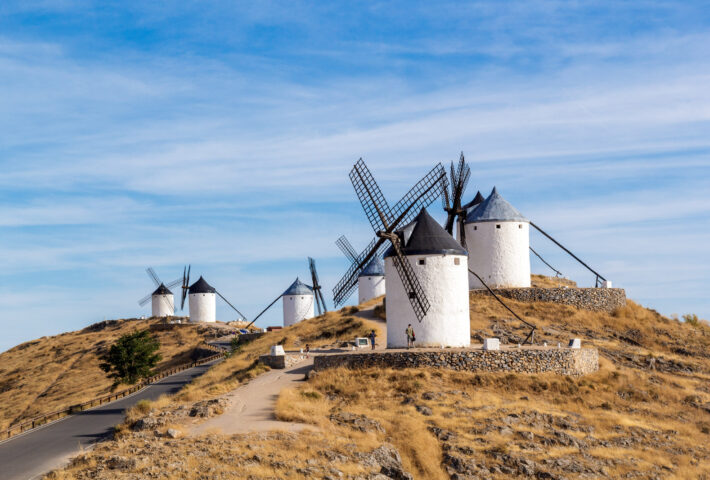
<point>565,361</point>
<point>595,299</point>
<point>281,361</point>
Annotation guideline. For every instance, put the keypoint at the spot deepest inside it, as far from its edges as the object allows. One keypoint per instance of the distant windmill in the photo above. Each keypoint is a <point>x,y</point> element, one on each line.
<point>320,301</point>
<point>163,304</point>
<point>385,222</point>
<point>371,280</point>
<point>299,299</point>
<point>202,301</point>
<point>456,212</point>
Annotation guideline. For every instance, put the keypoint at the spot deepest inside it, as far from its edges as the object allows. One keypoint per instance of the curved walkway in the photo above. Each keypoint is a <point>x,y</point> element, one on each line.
<point>252,406</point>
<point>32,454</point>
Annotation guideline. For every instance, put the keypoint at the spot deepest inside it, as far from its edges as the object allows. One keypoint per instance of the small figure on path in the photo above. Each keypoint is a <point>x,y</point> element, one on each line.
<point>410,336</point>
<point>308,350</point>
<point>372,339</point>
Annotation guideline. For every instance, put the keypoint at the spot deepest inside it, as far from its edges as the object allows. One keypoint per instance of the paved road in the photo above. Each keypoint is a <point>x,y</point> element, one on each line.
<point>30,455</point>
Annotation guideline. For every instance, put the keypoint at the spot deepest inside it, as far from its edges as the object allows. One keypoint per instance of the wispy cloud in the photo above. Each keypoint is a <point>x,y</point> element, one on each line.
<point>169,143</point>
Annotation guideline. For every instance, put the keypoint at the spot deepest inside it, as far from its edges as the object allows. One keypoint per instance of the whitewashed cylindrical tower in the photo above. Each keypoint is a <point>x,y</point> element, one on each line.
<point>162,302</point>
<point>371,281</point>
<point>203,302</point>
<point>298,303</point>
<point>440,265</point>
<point>498,243</point>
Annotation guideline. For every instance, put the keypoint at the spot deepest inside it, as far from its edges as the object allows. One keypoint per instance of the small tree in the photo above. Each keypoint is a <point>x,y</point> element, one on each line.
<point>132,357</point>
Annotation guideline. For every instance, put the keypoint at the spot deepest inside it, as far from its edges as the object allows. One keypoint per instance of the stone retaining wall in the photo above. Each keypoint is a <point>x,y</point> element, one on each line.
<point>565,361</point>
<point>595,299</point>
<point>248,337</point>
<point>281,361</point>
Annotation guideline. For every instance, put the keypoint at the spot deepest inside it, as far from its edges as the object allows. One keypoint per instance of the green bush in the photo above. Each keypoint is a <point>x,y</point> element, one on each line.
<point>132,357</point>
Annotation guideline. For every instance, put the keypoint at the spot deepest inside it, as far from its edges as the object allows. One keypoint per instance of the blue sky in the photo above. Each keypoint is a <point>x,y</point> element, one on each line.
<point>221,134</point>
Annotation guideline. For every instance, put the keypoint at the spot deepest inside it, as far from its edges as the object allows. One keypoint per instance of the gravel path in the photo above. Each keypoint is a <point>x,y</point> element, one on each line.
<point>252,406</point>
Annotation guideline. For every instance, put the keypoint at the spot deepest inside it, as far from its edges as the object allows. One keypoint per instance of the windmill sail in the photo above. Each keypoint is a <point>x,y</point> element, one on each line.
<point>385,222</point>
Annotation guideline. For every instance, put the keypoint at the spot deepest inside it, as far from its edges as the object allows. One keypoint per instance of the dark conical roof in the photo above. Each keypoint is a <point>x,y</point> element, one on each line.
<point>476,200</point>
<point>376,268</point>
<point>495,208</point>
<point>201,286</point>
<point>425,236</point>
<point>298,288</point>
<point>162,290</point>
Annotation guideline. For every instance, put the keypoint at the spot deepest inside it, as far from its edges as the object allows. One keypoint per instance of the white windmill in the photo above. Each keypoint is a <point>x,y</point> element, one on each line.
<point>299,301</point>
<point>202,299</point>
<point>425,268</point>
<point>371,280</point>
<point>162,300</point>
<point>439,263</point>
<point>498,244</point>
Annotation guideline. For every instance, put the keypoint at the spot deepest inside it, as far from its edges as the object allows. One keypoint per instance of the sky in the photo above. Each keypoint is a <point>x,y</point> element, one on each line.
<point>221,134</point>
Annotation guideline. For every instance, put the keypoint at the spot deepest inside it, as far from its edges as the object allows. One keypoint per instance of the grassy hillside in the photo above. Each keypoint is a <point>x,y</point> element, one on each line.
<point>645,414</point>
<point>51,373</point>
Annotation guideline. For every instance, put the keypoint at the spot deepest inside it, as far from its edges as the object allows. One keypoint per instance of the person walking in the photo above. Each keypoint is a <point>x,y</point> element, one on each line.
<point>372,339</point>
<point>410,336</point>
<point>308,350</point>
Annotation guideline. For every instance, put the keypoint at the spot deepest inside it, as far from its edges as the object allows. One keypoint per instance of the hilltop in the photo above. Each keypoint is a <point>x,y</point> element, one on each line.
<point>50,373</point>
<point>644,414</point>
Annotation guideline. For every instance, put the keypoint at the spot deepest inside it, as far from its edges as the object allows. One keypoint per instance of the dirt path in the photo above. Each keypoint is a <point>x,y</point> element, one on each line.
<point>252,406</point>
<point>369,314</point>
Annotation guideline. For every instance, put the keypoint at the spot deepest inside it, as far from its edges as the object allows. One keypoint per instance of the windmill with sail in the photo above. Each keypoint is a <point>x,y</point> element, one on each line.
<point>162,299</point>
<point>202,299</point>
<point>371,280</point>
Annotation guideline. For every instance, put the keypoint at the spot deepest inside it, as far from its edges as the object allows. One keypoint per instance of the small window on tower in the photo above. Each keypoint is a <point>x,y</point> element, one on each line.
<point>457,261</point>
<point>498,226</point>
<point>422,261</point>
<point>520,226</point>
<point>475,227</point>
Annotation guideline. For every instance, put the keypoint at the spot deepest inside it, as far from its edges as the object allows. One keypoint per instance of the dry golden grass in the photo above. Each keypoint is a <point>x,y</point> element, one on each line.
<point>52,373</point>
<point>659,406</point>
<point>253,456</point>
<point>543,281</point>
<point>643,411</point>
<point>332,327</point>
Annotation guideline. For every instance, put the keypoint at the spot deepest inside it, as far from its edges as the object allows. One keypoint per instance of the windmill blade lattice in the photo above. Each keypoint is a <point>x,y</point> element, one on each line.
<point>368,192</point>
<point>153,276</point>
<point>143,301</point>
<point>385,221</point>
<point>452,201</point>
<point>317,293</point>
<point>421,195</point>
<point>347,248</point>
<point>348,283</point>
<point>411,284</point>
<point>185,285</point>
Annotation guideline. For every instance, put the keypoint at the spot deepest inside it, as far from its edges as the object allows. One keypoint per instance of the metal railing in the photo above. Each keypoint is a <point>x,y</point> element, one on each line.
<point>95,402</point>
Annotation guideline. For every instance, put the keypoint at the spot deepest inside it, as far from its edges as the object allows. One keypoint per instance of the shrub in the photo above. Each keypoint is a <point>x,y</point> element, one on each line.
<point>132,357</point>
<point>143,406</point>
<point>691,319</point>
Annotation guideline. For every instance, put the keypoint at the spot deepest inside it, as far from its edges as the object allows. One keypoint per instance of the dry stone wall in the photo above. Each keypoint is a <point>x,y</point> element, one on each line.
<point>281,361</point>
<point>565,361</point>
<point>595,299</point>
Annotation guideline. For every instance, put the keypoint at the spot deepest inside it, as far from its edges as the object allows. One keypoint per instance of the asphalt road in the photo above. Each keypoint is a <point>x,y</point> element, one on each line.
<point>34,453</point>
